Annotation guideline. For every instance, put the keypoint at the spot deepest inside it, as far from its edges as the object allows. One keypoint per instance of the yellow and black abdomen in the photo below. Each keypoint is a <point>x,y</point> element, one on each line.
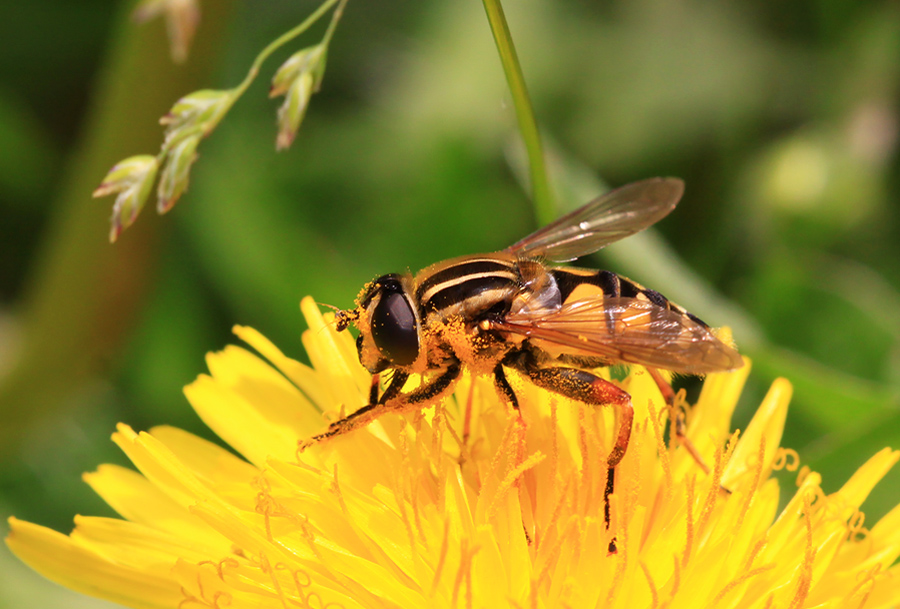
<point>579,284</point>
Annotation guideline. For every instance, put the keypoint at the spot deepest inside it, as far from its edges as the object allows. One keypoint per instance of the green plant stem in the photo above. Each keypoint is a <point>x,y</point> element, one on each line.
<point>257,64</point>
<point>540,185</point>
<point>332,26</point>
<point>284,39</point>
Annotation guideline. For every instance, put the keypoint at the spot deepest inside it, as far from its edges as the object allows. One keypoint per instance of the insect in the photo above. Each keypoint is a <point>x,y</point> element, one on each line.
<point>512,310</point>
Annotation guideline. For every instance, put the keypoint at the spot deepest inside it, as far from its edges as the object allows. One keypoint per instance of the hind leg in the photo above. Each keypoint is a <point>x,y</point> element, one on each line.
<point>589,388</point>
<point>679,429</point>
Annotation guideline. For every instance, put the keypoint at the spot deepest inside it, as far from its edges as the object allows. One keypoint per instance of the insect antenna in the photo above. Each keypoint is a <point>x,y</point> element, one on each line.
<point>342,318</point>
<point>325,304</point>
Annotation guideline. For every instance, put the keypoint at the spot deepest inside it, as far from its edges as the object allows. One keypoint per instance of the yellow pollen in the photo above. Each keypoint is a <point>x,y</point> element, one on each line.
<point>265,506</point>
<point>561,500</point>
<point>730,446</point>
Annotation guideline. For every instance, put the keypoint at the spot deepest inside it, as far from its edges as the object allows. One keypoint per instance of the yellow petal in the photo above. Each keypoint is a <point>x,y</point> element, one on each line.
<point>861,483</point>
<point>762,437</point>
<point>237,421</point>
<point>138,500</point>
<point>304,377</point>
<point>343,378</point>
<point>254,380</point>
<point>59,558</point>
<point>413,512</point>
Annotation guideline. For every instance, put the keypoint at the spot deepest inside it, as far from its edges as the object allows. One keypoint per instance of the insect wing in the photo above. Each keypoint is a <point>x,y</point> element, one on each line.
<point>608,218</point>
<point>631,331</point>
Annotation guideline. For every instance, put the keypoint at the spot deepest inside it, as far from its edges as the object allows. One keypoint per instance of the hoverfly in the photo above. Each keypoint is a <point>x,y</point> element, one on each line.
<point>511,310</point>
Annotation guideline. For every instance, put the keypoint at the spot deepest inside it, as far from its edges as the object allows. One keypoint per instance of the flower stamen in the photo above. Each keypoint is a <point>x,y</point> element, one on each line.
<point>689,508</point>
<point>662,450</point>
<point>787,459</point>
<point>654,595</point>
<point>464,573</point>
<point>510,480</point>
<point>806,571</point>
<point>442,557</point>
<point>754,485</point>
<point>621,555</point>
<point>676,580</point>
<point>740,580</point>
<point>868,578</point>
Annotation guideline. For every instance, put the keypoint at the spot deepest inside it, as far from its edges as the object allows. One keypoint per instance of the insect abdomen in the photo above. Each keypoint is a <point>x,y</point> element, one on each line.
<point>577,283</point>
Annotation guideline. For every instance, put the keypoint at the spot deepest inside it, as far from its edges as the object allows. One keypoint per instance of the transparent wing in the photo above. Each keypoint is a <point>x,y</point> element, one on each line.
<point>630,331</point>
<point>608,218</point>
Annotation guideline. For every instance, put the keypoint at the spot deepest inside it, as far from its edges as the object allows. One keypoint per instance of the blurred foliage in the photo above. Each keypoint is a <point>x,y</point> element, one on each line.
<point>781,117</point>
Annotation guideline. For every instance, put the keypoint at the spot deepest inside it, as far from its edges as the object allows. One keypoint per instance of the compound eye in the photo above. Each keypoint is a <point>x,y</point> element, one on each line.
<point>394,328</point>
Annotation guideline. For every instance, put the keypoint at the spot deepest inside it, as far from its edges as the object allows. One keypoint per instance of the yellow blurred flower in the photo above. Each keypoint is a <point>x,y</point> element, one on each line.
<point>410,513</point>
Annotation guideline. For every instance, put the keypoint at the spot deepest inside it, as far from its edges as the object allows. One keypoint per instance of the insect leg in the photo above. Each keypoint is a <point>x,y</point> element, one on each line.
<point>679,429</point>
<point>438,387</point>
<point>504,388</point>
<point>392,400</point>
<point>364,415</point>
<point>373,389</point>
<point>467,419</point>
<point>589,388</point>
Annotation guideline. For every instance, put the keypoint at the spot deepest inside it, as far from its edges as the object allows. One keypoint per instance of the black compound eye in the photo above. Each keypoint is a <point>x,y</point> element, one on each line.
<point>394,327</point>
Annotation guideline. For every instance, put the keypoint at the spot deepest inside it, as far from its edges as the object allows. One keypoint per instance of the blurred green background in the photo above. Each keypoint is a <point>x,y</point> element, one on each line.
<point>781,117</point>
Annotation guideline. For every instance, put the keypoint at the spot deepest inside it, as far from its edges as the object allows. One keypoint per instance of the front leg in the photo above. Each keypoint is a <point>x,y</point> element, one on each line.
<point>678,427</point>
<point>392,400</point>
<point>364,415</point>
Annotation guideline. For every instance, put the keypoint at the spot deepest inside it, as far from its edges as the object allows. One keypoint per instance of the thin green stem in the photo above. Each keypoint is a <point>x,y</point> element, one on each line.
<point>335,17</point>
<point>280,41</point>
<point>540,186</point>
<point>257,63</point>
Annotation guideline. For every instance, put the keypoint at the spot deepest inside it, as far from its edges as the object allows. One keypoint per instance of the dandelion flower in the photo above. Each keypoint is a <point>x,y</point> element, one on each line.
<point>413,512</point>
